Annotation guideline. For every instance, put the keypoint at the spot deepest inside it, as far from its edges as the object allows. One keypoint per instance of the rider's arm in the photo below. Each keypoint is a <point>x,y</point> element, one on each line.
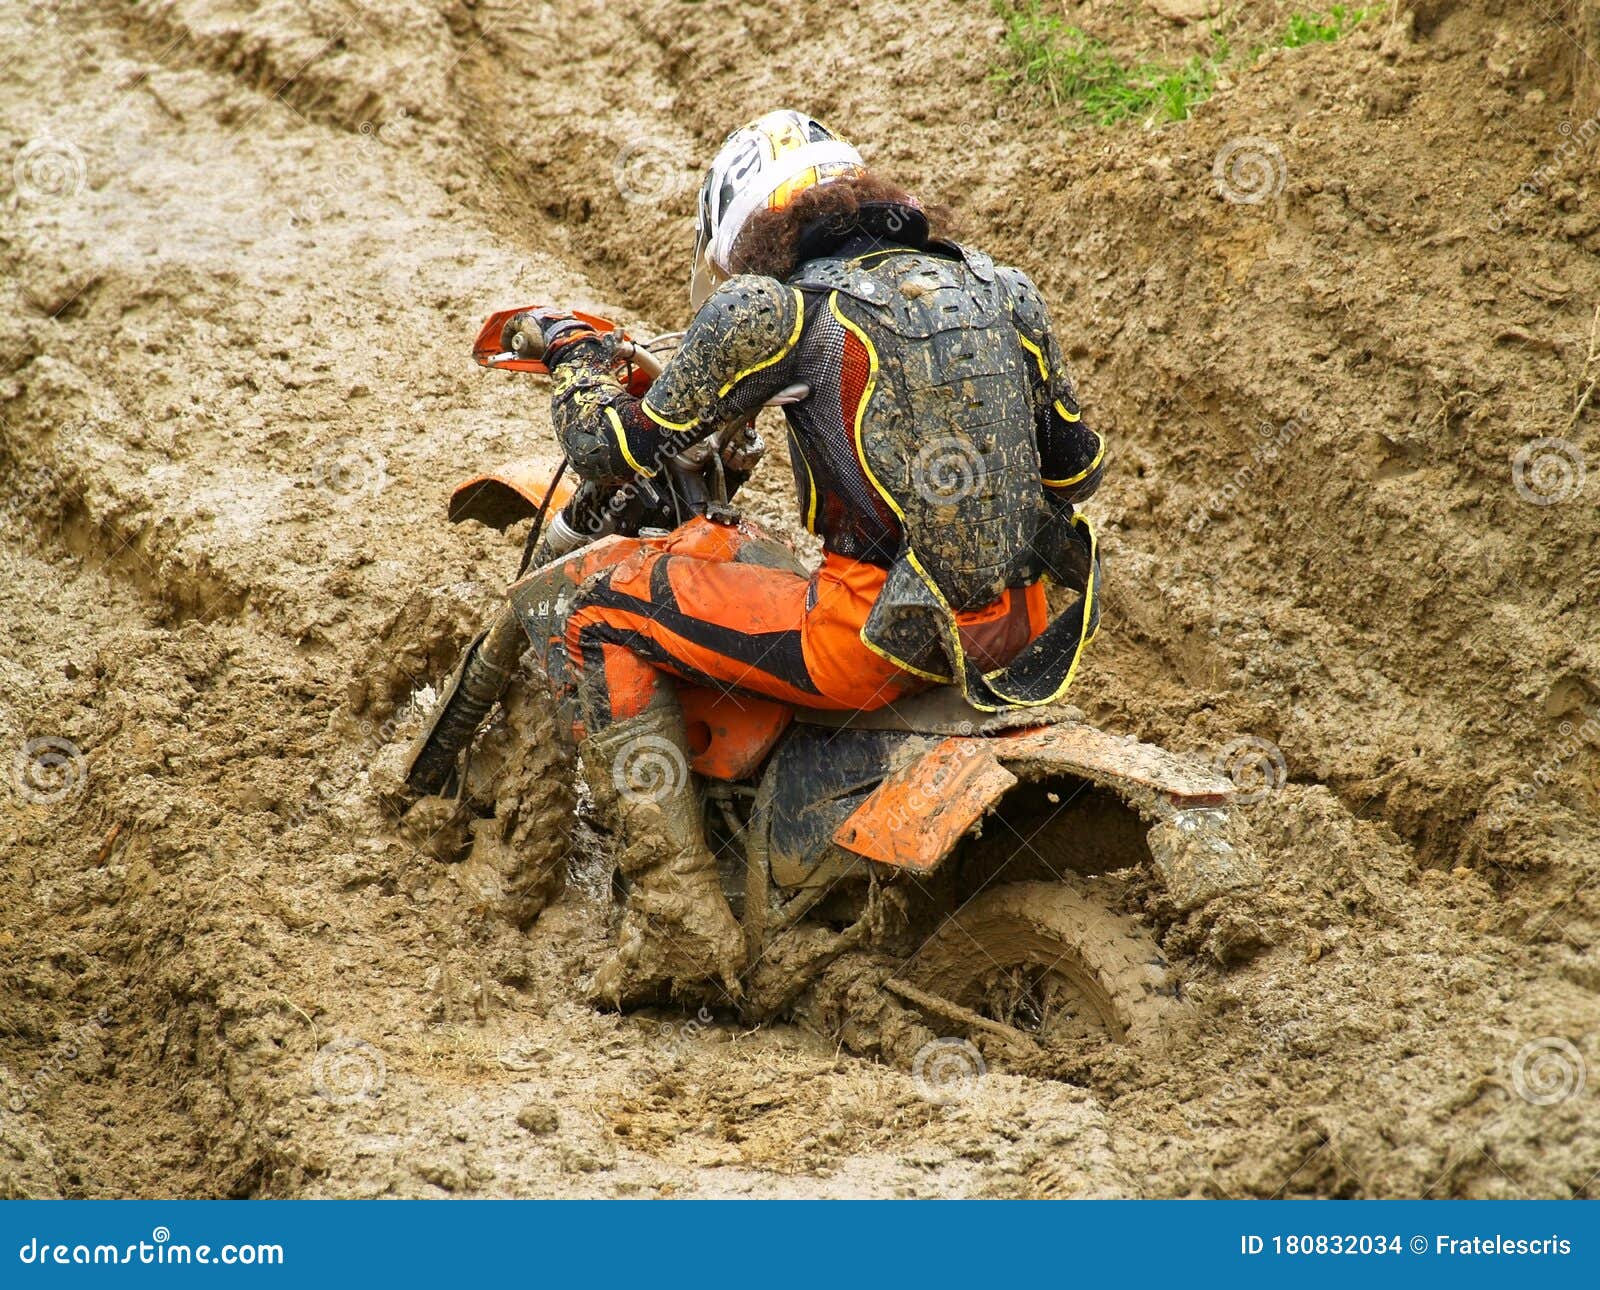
<point>737,353</point>
<point>1071,456</point>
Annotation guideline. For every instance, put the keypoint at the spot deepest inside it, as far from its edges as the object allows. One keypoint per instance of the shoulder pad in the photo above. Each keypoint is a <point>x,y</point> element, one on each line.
<point>1027,304</point>
<point>746,319</point>
<point>982,265</point>
<point>745,326</point>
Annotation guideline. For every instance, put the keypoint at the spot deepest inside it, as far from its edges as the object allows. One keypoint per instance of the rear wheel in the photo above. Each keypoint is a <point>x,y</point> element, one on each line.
<point>1043,958</point>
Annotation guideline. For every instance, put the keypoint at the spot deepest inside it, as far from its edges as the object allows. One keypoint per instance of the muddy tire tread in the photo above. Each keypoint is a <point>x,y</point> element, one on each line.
<point>1123,972</point>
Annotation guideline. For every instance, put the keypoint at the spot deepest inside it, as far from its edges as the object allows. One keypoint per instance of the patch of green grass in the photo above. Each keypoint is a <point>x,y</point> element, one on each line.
<point>1315,28</point>
<point>1082,77</point>
<point>1047,57</point>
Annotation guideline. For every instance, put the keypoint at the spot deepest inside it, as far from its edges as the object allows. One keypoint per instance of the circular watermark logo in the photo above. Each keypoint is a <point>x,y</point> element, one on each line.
<point>348,1070</point>
<point>1548,1071</point>
<point>948,1070</point>
<point>1248,170</point>
<point>49,769</point>
<point>48,170</point>
<point>1547,471</point>
<point>946,470</point>
<point>649,769</point>
<point>353,471</point>
<point>647,174</point>
<point>1255,765</point>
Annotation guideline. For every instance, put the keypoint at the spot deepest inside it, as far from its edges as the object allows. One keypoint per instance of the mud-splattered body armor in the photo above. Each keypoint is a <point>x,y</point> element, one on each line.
<point>937,439</point>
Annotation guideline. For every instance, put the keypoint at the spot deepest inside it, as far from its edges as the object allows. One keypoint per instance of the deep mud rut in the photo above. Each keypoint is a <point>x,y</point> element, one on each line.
<point>246,250</point>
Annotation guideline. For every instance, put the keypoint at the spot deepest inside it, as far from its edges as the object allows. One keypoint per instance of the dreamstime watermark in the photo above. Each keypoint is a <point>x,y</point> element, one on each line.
<point>339,775</point>
<point>48,170</point>
<point>946,470</point>
<point>647,174</point>
<point>1255,765</point>
<point>160,1250</point>
<point>1271,440</point>
<point>1249,170</point>
<point>352,471</point>
<point>48,770</point>
<point>1548,1071</point>
<point>1546,472</point>
<point>947,1071</point>
<point>1244,1080</point>
<point>1575,140</point>
<point>649,769</point>
<point>323,196</point>
<point>27,490</point>
<point>679,1035</point>
<point>934,787</point>
<point>1569,742</point>
<point>348,1070</point>
<point>56,1067</point>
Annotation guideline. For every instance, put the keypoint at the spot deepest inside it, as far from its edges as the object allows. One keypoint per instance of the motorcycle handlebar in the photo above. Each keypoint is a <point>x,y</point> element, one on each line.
<point>530,344</point>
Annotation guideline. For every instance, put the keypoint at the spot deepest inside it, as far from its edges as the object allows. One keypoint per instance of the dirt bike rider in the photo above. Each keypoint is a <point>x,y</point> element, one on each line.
<point>937,449</point>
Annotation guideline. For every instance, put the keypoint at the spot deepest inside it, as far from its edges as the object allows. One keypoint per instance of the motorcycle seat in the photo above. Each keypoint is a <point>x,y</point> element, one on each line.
<point>941,710</point>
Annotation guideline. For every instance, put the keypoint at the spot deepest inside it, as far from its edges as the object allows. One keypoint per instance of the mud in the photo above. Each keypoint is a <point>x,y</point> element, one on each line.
<point>246,250</point>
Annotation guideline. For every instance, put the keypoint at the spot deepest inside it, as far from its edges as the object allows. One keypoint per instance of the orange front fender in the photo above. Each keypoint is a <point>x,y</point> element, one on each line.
<point>502,497</point>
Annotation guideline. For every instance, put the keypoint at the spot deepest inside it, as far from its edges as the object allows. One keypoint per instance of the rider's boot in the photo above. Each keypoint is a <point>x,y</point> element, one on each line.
<point>480,678</point>
<point>677,929</point>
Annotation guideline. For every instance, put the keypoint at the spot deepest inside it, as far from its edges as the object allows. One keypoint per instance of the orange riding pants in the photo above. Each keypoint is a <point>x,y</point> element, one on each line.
<point>700,605</point>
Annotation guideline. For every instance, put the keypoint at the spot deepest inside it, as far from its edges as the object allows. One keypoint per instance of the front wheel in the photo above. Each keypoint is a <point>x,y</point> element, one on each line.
<point>1043,958</point>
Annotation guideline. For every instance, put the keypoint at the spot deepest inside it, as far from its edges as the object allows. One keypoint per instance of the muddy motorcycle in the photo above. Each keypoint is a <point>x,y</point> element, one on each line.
<point>923,870</point>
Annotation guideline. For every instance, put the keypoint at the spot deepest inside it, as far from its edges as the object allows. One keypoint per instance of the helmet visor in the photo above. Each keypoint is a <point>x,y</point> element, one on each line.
<point>701,281</point>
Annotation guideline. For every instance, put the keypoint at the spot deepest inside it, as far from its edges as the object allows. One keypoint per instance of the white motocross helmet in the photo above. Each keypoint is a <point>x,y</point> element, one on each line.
<point>762,166</point>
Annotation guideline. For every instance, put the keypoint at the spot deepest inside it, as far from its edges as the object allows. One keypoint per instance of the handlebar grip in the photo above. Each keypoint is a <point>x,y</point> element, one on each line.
<point>528,344</point>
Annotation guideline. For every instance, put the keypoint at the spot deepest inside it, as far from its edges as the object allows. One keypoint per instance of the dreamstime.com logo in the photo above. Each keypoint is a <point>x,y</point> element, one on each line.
<point>1272,438</point>
<point>1548,1071</point>
<point>948,1070</point>
<point>332,189</point>
<point>49,770</point>
<point>348,1070</point>
<point>677,1036</point>
<point>63,1062</point>
<point>1249,170</point>
<point>1570,740</point>
<point>946,470</point>
<point>159,1249</point>
<point>1574,146</point>
<point>353,471</point>
<point>647,175</point>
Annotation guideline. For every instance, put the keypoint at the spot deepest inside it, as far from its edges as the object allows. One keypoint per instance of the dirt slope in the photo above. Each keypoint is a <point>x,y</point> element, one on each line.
<point>246,248</point>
